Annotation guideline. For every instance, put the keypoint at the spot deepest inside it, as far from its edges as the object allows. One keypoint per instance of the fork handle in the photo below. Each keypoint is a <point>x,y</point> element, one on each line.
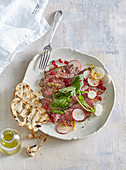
<point>57,18</point>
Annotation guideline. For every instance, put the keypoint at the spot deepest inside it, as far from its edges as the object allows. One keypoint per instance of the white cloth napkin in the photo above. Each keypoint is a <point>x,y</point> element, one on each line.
<point>21,23</point>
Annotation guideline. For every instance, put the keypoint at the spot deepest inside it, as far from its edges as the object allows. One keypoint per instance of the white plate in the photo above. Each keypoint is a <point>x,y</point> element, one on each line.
<point>91,125</point>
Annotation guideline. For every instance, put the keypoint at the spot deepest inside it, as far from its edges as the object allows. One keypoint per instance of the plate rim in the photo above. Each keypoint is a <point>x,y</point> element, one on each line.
<point>113,85</point>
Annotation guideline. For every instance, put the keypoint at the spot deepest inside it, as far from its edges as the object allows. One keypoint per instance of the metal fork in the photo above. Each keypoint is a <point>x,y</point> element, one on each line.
<point>47,49</point>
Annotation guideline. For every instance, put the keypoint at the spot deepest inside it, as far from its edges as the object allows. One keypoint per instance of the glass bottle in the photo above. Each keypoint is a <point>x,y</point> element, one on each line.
<point>10,141</point>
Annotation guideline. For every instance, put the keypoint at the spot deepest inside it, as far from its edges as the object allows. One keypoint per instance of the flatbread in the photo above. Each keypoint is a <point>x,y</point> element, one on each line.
<point>26,108</point>
<point>31,150</point>
<point>24,92</point>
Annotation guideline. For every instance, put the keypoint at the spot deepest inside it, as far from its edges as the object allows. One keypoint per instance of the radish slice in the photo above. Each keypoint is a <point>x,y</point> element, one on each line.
<point>92,81</point>
<point>97,72</point>
<point>92,94</point>
<point>86,73</point>
<point>106,80</point>
<point>98,109</point>
<point>62,128</point>
<point>75,63</point>
<point>78,115</point>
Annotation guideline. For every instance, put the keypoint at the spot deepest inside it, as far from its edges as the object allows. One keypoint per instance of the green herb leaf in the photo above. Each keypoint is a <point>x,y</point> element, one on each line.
<point>78,82</point>
<point>58,111</point>
<point>61,101</point>
<point>63,98</point>
<point>67,89</point>
<point>81,101</point>
<point>84,92</point>
<point>81,98</point>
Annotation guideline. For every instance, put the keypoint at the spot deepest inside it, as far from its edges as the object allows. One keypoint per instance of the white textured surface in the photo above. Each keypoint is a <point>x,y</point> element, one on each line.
<point>98,28</point>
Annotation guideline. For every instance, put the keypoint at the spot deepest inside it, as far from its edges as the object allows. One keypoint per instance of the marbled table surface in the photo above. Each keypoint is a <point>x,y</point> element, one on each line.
<point>99,28</point>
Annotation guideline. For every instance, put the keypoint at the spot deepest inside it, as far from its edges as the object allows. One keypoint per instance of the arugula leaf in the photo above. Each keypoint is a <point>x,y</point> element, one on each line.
<point>61,101</point>
<point>87,105</point>
<point>78,82</point>
<point>80,77</point>
<point>59,94</point>
<point>84,104</point>
<point>73,93</point>
<point>67,89</point>
<point>58,111</point>
<point>84,92</point>
<point>81,98</point>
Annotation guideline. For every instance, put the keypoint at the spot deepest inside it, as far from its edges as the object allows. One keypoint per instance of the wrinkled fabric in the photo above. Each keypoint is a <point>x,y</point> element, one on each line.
<point>21,23</point>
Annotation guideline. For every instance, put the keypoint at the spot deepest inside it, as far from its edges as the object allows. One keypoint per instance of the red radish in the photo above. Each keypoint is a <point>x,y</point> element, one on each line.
<point>106,80</point>
<point>92,94</point>
<point>86,73</point>
<point>98,109</point>
<point>78,115</point>
<point>62,128</point>
<point>92,81</point>
<point>98,72</point>
<point>75,63</point>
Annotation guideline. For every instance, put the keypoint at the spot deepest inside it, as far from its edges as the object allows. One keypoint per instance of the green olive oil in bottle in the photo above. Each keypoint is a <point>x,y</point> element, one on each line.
<point>10,141</point>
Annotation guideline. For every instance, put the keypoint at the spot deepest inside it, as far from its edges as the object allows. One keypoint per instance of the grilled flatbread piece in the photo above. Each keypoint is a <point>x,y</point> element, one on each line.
<point>31,150</point>
<point>20,109</point>
<point>25,114</point>
<point>26,108</point>
<point>24,92</point>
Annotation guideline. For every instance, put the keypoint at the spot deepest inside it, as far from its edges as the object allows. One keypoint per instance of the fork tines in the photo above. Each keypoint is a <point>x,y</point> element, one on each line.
<point>45,58</point>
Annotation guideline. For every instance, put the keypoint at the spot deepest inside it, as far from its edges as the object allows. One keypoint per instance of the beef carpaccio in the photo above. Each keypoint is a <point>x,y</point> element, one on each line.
<point>70,94</point>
